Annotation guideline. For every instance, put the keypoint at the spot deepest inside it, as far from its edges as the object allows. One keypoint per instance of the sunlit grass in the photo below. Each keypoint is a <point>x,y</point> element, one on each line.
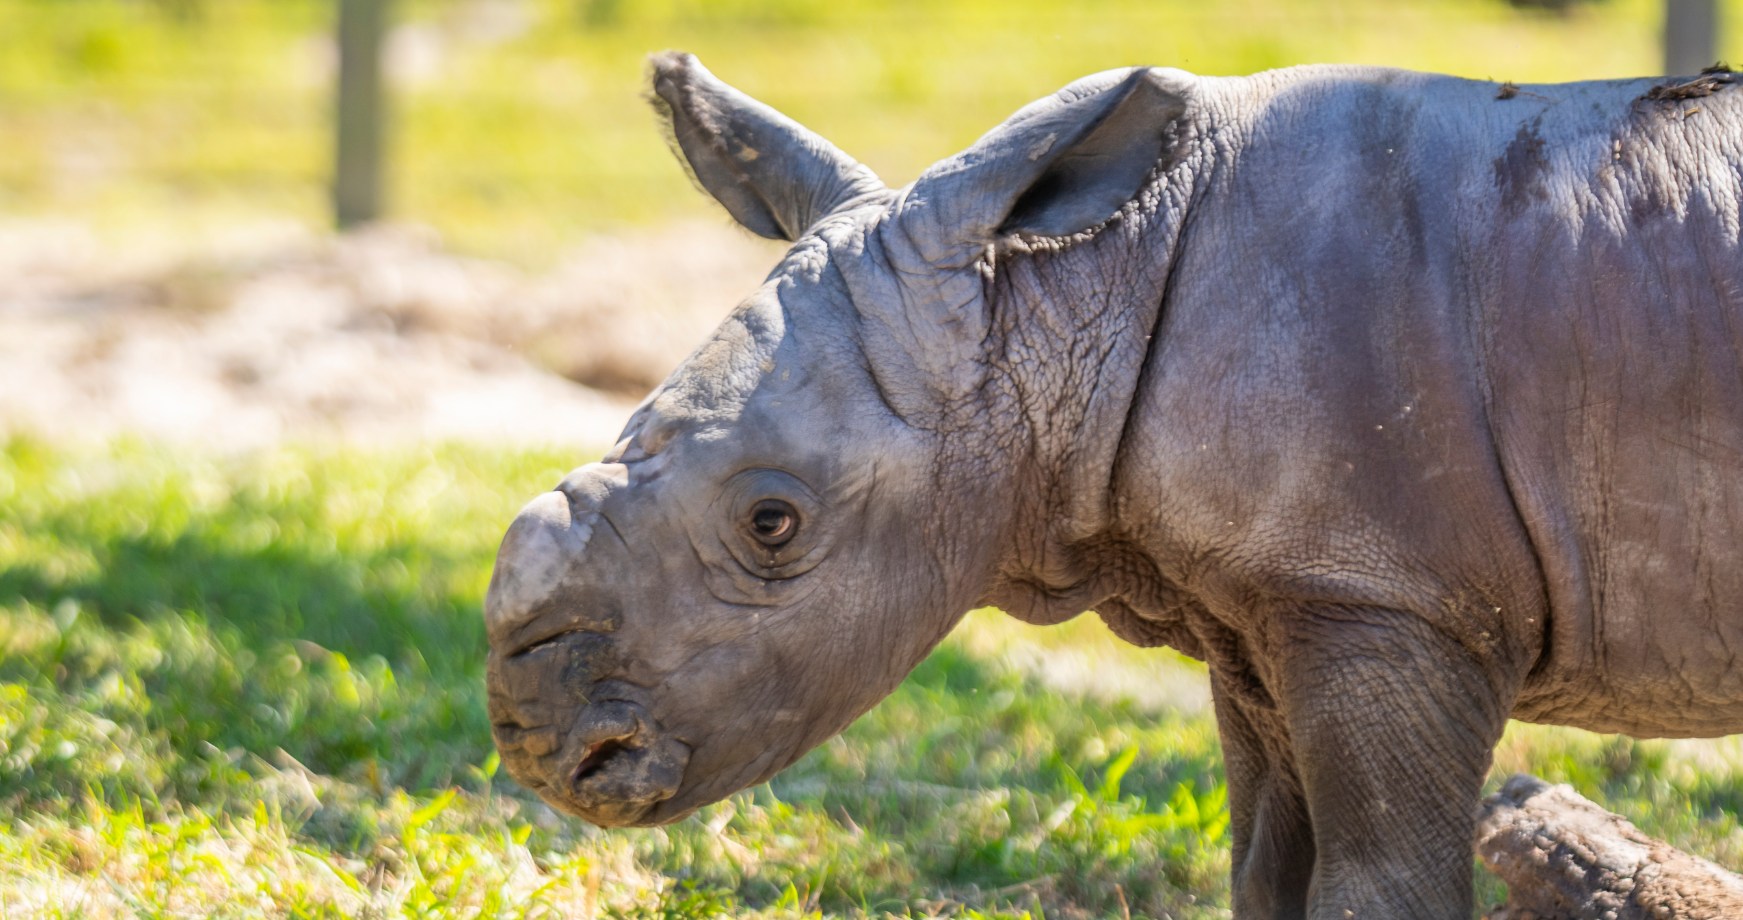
<point>255,684</point>
<point>252,686</point>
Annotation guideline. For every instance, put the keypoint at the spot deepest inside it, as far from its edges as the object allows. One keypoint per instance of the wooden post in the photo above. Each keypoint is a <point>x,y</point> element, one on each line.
<point>359,113</point>
<point>1691,35</point>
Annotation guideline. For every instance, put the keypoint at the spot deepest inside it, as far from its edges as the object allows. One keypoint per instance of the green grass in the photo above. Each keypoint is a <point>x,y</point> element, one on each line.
<point>252,686</point>
<point>515,134</point>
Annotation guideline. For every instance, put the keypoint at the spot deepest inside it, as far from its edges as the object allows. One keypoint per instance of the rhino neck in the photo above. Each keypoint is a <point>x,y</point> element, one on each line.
<point>1074,323</point>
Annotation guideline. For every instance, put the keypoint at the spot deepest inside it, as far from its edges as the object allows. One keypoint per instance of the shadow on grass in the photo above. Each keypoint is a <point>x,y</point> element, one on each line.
<point>358,605</point>
<point>350,661</point>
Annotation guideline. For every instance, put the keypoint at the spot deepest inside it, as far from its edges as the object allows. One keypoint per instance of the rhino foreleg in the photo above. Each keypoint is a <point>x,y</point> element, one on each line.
<point>1272,858</point>
<point>1391,722</point>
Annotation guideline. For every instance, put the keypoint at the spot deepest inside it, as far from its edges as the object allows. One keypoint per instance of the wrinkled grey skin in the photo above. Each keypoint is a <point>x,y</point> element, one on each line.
<point>1406,407</point>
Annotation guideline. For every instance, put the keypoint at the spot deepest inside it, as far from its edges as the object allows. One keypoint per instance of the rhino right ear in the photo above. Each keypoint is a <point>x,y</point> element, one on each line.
<point>1059,166</point>
<point>772,174</point>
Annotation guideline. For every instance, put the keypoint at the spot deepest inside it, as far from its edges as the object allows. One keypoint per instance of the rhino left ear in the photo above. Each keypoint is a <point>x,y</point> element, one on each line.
<point>772,174</point>
<point>1059,166</point>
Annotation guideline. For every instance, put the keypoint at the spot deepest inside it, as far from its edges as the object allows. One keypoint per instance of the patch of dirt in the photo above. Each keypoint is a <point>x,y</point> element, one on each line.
<point>381,335</point>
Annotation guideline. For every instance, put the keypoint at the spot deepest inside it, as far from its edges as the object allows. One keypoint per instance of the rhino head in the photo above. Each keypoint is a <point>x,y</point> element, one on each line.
<point>815,497</point>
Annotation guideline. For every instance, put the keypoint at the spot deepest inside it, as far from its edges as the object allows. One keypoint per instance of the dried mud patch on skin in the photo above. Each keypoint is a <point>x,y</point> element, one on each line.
<point>1520,169</point>
<point>381,335</point>
<point>1710,81</point>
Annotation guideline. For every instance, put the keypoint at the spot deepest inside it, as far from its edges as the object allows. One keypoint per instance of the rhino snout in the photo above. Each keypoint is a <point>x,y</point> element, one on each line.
<point>565,730</point>
<point>566,724</point>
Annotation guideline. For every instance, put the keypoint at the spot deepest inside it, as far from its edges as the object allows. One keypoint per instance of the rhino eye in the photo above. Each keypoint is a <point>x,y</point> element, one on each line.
<point>773,522</point>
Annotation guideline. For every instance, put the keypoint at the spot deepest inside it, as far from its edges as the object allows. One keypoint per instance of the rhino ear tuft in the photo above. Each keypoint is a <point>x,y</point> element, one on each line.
<point>1059,166</point>
<point>772,174</point>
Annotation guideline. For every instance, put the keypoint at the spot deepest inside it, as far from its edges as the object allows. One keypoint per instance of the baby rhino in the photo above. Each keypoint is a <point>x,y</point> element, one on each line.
<point>1405,403</point>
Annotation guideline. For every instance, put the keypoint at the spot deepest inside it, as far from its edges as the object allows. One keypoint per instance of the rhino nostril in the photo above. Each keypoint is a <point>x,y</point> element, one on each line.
<point>576,621</point>
<point>597,757</point>
<point>561,667</point>
<point>547,643</point>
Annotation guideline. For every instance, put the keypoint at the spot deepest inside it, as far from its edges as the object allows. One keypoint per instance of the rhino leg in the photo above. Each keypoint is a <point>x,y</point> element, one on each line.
<point>1391,722</point>
<point>1272,857</point>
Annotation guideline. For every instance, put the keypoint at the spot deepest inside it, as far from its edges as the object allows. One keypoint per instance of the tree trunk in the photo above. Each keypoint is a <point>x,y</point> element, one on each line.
<point>359,113</point>
<point>1691,35</point>
<point>1564,858</point>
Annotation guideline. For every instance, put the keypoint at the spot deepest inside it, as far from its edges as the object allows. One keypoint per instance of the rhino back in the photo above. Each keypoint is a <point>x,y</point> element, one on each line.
<point>1611,313</point>
<point>1470,353</point>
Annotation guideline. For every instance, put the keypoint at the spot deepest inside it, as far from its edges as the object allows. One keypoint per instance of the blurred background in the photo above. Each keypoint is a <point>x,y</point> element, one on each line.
<point>173,170</point>
<point>518,125</point>
<point>253,467</point>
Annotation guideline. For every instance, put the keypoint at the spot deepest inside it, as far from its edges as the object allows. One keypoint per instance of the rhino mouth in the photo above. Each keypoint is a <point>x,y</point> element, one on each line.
<point>614,768</point>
